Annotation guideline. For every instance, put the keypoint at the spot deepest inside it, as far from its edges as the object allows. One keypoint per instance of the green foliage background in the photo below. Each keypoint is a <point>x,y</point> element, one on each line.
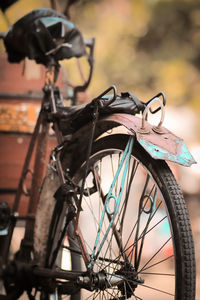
<point>146,46</point>
<point>142,46</point>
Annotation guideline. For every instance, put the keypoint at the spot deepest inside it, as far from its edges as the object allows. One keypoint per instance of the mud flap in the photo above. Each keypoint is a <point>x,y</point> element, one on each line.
<point>44,213</point>
<point>160,144</point>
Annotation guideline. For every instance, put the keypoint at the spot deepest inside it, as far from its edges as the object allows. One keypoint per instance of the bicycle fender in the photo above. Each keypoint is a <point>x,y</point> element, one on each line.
<point>160,144</point>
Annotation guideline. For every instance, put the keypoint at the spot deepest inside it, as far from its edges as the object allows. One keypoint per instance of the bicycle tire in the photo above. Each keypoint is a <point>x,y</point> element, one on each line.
<point>169,238</point>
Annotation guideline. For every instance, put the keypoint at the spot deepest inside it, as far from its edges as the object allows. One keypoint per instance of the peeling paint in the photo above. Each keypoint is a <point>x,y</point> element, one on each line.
<point>183,157</point>
<point>165,145</point>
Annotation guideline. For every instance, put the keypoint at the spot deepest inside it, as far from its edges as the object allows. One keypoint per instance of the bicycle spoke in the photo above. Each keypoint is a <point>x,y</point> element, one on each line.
<point>157,290</point>
<point>140,211</point>
<point>151,266</point>
<point>136,250</point>
<point>145,229</point>
<point>159,274</point>
<point>131,246</point>
<point>130,180</point>
<point>143,268</point>
<point>123,208</point>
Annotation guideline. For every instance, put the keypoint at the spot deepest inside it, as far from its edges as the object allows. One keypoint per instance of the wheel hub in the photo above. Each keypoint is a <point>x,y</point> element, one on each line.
<point>131,280</point>
<point>125,279</point>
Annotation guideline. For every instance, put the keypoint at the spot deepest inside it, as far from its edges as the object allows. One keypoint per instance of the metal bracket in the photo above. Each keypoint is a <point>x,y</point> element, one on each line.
<point>157,129</point>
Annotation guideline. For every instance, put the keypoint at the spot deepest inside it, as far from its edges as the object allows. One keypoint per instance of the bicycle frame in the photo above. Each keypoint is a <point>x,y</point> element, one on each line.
<point>40,136</point>
<point>112,214</point>
<point>153,140</point>
<point>40,139</point>
<point>38,147</point>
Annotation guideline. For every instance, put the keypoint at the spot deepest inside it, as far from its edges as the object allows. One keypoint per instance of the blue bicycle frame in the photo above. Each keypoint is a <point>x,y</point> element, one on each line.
<point>124,162</point>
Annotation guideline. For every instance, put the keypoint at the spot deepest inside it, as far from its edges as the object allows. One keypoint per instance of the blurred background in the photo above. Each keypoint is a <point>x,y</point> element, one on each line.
<point>142,46</point>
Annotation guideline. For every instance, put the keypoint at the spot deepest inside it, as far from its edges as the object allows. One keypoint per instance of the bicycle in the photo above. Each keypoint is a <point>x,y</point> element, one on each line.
<point>108,169</point>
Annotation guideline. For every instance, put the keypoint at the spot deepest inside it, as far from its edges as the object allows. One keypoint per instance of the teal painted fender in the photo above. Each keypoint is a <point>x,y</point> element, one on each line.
<point>160,144</point>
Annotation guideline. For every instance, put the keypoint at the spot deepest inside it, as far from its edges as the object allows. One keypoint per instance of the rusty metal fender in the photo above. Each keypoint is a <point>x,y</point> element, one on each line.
<point>160,144</point>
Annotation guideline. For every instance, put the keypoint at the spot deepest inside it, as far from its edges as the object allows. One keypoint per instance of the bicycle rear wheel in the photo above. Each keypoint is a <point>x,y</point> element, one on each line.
<point>148,251</point>
<point>149,247</point>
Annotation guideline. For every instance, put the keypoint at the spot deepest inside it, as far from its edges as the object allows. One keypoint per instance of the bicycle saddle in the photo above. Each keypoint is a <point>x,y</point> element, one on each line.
<point>44,35</point>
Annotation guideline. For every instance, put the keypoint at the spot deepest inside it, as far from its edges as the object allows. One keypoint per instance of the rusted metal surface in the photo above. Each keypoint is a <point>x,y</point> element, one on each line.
<point>18,117</point>
<point>14,147</point>
<point>161,144</point>
<point>26,166</point>
<point>40,164</point>
<point>38,174</point>
<point>21,94</point>
<point>31,95</point>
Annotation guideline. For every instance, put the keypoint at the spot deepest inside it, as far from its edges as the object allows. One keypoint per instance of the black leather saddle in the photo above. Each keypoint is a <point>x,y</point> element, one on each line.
<point>44,35</point>
<point>73,118</point>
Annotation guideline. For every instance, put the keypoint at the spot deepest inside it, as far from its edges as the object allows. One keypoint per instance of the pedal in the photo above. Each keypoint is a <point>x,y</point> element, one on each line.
<point>4,217</point>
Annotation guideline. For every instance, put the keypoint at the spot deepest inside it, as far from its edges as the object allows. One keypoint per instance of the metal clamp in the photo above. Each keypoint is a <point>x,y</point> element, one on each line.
<point>157,128</point>
<point>53,156</point>
<point>106,102</point>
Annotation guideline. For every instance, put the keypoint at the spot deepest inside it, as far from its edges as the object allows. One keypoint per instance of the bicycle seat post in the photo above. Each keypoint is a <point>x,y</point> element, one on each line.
<point>49,90</point>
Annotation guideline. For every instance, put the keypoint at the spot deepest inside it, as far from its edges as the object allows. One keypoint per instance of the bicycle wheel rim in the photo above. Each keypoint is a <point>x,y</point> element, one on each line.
<point>150,267</point>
